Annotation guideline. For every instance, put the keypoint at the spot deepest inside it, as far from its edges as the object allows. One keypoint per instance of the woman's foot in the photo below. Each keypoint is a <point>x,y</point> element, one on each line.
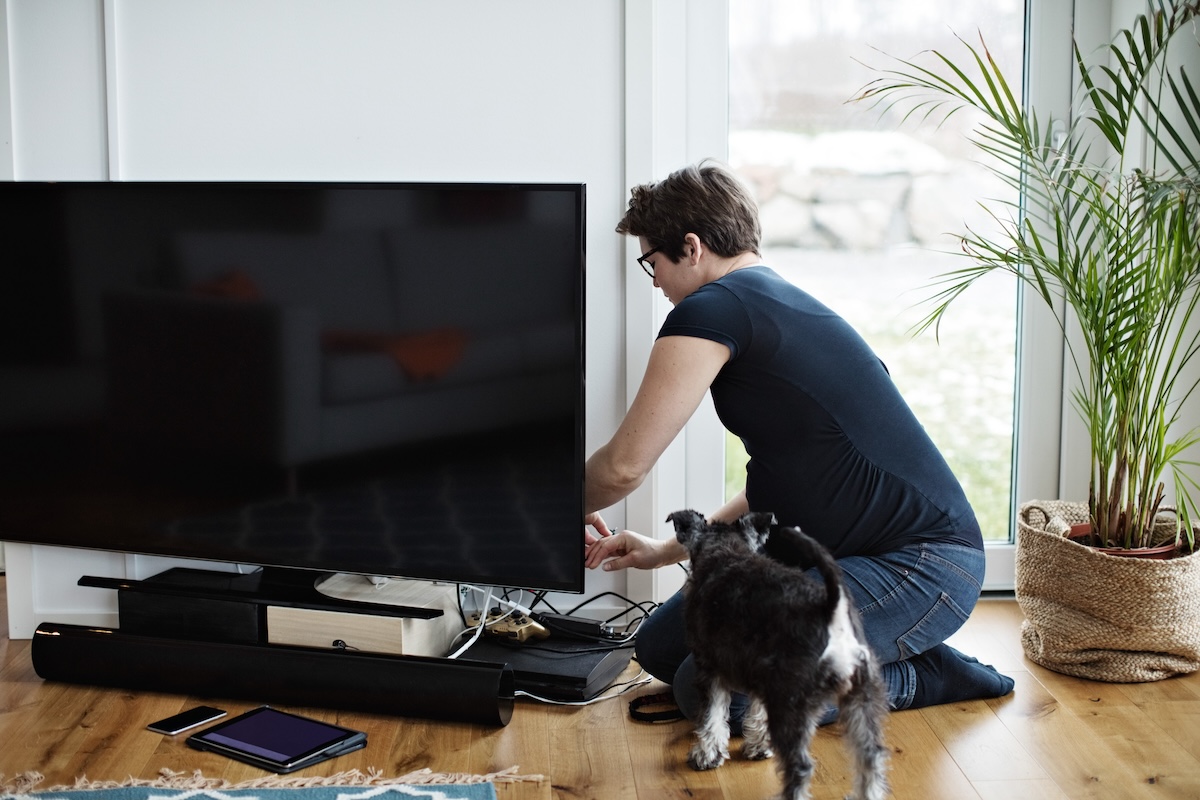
<point>945,675</point>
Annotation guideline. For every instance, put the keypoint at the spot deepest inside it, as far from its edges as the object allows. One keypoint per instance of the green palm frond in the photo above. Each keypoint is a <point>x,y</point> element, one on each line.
<point>1112,248</point>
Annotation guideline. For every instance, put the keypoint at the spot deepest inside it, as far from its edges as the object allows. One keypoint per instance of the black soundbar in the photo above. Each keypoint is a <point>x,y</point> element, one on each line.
<point>408,686</point>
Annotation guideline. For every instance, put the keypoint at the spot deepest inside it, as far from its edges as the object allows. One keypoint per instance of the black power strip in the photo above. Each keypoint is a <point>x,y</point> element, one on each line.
<point>578,627</point>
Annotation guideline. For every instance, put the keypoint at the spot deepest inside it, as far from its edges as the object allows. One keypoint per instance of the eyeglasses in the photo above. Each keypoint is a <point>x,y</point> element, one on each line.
<point>646,265</point>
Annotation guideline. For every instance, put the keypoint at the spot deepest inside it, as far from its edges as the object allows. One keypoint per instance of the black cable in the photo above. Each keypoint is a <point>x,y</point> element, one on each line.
<point>600,648</point>
<point>604,641</point>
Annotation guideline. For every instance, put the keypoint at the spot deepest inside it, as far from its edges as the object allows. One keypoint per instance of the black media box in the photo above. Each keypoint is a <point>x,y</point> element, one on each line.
<point>555,669</point>
<point>173,604</point>
<point>196,618</point>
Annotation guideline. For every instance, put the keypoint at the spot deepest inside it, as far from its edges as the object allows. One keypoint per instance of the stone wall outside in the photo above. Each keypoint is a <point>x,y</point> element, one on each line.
<point>861,190</point>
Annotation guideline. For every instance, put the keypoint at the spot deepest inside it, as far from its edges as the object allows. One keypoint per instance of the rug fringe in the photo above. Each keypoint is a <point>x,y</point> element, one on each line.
<point>25,782</point>
<point>20,784</point>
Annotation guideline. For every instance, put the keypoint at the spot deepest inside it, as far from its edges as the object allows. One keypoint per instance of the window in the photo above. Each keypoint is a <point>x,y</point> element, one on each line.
<point>862,210</point>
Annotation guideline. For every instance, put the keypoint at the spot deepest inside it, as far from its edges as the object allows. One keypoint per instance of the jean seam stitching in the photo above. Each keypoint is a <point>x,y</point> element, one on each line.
<point>933,556</point>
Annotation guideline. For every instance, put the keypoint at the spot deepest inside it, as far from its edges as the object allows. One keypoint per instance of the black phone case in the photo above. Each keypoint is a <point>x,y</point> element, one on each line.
<point>349,746</point>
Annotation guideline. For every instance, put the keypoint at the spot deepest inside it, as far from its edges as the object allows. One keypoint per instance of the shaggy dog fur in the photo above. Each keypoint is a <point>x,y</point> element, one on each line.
<point>794,645</point>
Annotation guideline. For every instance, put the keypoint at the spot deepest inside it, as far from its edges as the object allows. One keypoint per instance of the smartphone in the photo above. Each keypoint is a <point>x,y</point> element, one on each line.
<point>186,720</point>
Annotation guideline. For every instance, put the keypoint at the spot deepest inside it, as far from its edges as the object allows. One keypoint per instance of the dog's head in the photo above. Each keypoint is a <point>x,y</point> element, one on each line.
<point>696,533</point>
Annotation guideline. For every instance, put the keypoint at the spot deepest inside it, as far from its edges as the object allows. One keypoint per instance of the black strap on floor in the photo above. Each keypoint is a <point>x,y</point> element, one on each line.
<point>666,711</point>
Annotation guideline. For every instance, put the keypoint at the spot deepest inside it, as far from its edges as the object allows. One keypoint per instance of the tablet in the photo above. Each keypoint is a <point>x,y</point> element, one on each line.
<point>278,741</point>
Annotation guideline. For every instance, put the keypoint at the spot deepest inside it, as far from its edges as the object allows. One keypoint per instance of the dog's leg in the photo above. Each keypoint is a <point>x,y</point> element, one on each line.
<point>863,710</point>
<point>757,745</point>
<point>712,734</point>
<point>792,727</point>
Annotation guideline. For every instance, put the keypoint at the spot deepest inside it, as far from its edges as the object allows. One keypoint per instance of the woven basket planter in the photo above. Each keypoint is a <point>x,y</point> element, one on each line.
<point>1098,616</point>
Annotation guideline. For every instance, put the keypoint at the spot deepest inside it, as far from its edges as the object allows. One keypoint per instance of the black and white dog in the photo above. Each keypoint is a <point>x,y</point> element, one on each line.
<point>794,645</point>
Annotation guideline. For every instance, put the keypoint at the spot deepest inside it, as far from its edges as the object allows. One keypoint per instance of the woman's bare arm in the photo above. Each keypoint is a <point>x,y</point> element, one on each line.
<point>678,374</point>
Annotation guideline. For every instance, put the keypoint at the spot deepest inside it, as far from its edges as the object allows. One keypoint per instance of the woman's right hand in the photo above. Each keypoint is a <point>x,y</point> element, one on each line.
<point>627,549</point>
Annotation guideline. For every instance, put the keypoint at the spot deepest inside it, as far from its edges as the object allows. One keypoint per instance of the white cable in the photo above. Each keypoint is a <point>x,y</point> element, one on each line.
<point>478,628</point>
<point>633,684</point>
<point>484,620</point>
<point>501,600</point>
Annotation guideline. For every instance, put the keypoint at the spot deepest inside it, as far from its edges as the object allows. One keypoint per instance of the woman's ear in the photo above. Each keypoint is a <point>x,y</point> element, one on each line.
<point>693,248</point>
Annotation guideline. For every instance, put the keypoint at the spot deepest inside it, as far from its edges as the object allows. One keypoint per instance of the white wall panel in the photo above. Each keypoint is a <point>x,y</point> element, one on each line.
<point>370,90</point>
<point>6,153</point>
<point>56,87</point>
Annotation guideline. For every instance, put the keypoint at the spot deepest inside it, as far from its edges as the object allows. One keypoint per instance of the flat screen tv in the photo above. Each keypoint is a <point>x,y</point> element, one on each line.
<point>374,378</point>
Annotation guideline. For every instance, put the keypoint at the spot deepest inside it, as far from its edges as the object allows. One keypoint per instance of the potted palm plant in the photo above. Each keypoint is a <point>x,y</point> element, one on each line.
<point>1107,233</point>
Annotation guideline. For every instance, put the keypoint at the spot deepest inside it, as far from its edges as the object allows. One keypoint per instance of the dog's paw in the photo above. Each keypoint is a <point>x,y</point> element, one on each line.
<point>700,758</point>
<point>757,743</point>
<point>757,751</point>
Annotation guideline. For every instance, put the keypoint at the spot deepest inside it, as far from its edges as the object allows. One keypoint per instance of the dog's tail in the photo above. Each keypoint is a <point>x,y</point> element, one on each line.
<point>796,548</point>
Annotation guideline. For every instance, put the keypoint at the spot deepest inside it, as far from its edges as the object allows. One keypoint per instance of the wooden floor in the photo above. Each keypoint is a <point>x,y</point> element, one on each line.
<point>1055,737</point>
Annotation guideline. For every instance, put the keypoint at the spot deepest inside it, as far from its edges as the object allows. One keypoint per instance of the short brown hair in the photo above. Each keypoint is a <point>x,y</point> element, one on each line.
<point>705,199</point>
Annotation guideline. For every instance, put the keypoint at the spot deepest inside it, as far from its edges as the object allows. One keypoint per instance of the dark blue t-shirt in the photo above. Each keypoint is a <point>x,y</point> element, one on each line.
<point>833,447</point>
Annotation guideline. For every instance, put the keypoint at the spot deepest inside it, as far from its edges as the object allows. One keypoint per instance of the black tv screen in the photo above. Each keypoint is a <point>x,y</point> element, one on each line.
<point>375,378</point>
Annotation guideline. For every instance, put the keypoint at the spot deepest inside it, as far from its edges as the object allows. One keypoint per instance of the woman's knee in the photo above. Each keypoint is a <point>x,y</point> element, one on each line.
<point>661,644</point>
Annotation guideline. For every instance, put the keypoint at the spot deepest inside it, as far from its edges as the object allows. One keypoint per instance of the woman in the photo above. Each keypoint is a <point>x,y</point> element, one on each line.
<point>833,447</point>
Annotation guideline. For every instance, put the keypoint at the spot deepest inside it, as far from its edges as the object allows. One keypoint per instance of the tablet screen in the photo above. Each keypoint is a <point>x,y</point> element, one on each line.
<point>275,735</point>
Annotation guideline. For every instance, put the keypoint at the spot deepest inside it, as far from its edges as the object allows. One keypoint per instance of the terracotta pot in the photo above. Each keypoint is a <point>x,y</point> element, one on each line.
<point>1082,533</point>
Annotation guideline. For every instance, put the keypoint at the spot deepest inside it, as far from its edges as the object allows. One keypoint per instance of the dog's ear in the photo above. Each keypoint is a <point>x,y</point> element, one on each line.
<point>756,527</point>
<point>762,521</point>
<point>688,524</point>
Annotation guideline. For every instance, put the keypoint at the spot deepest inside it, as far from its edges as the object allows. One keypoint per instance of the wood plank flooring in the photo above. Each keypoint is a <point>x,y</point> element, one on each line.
<point>1055,737</point>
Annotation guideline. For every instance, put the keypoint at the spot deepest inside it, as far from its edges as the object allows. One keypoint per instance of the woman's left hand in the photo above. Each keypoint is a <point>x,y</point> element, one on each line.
<point>628,549</point>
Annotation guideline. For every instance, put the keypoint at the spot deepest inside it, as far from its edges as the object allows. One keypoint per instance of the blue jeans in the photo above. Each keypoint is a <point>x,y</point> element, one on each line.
<point>910,601</point>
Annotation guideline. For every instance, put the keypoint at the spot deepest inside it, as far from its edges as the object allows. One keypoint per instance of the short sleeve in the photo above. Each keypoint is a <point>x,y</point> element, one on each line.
<point>711,312</point>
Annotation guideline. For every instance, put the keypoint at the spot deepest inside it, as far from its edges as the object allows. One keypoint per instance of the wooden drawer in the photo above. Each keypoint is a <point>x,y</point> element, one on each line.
<point>311,628</point>
<point>367,633</point>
